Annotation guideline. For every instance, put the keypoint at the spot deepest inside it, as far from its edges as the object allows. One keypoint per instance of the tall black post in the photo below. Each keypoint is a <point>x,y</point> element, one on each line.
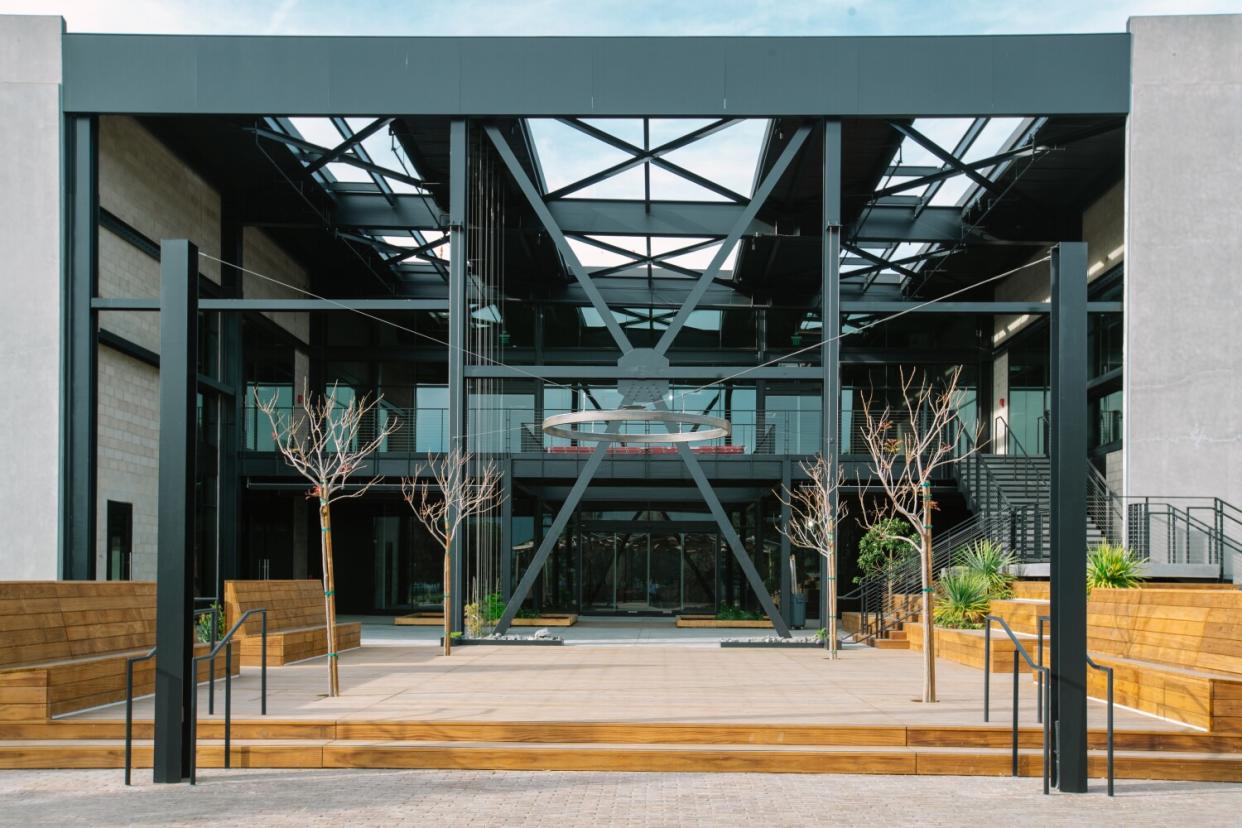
<point>458,276</point>
<point>830,326</point>
<point>81,277</point>
<point>1069,512</point>
<point>174,591</point>
<point>787,584</point>
<point>232,409</point>
<point>506,533</point>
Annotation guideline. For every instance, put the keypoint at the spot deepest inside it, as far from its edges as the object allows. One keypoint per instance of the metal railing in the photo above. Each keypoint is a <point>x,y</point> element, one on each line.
<point>1108,673</point>
<point>210,656</point>
<point>517,430</point>
<point>227,643</point>
<point>1044,713</point>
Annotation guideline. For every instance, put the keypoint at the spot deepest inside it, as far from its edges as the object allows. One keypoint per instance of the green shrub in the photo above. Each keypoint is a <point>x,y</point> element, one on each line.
<point>962,599</point>
<point>992,562</point>
<point>202,625</point>
<point>882,549</point>
<point>1112,567</point>
<point>738,614</point>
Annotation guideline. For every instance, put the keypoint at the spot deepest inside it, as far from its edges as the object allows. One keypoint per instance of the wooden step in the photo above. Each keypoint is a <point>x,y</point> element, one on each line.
<point>896,635</point>
<point>989,761</point>
<point>891,644</point>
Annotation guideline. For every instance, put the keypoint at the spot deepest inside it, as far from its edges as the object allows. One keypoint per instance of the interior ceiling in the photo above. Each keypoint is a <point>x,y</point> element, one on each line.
<point>1037,201</point>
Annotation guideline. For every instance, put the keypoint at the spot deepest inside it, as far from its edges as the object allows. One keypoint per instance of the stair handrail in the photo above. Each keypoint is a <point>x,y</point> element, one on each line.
<point>226,642</point>
<point>1108,674</point>
<point>1045,713</point>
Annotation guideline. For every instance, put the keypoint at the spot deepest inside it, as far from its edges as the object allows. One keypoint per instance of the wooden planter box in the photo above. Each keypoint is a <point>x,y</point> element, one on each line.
<point>436,619</point>
<point>566,619</point>
<point>420,619</point>
<point>712,621</point>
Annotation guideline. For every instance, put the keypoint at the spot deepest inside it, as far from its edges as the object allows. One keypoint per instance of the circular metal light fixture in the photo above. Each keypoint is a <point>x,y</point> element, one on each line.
<point>560,425</point>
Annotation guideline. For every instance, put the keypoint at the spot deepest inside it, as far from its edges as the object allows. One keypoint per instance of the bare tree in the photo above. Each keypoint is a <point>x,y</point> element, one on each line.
<point>460,486</point>
<point>815,511</point>
<point>323,443</point>
<point>906,448</point>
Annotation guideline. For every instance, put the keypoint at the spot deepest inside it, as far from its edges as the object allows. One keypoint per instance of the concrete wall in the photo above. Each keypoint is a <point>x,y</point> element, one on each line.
<point>30,265</point>
<point>1183,340</point>
<point>145,185</point>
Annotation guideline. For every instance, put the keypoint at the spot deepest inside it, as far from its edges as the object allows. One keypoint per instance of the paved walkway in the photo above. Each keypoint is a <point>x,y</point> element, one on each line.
<point>556,799</point>
<point>593,630</point>
<point>644,684</point>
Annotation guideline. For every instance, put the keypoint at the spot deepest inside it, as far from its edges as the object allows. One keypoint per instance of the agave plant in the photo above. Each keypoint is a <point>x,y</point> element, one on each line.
<point>993,562</point>
<point>1112,567</point>
<point>962,599</point>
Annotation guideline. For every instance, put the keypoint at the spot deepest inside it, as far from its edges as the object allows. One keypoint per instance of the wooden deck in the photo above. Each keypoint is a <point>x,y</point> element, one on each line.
<point>627,708</point>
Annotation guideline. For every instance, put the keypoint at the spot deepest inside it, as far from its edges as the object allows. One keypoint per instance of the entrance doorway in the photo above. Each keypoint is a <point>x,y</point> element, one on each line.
<point>636,569</point>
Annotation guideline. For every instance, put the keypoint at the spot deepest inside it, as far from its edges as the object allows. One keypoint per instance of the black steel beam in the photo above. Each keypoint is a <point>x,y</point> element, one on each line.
<point>762,191</point>
<point>78,403</point>
<point>394,304</point>
<point>459,187</point>
<point>174,597</point>
<point>1068,362</point>
<point>830,298</point>
<point>718,77</point>
<point>346,145</point>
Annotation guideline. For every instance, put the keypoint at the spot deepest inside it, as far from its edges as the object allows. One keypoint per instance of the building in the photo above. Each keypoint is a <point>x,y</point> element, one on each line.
<point>384,216</point>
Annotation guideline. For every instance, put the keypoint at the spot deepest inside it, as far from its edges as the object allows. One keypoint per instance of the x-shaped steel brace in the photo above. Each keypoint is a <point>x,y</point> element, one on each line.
<point>656,355</point>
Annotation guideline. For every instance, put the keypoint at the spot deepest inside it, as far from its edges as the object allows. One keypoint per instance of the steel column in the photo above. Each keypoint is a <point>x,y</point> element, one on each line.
<point>78,401</point>
<point>1068,365</point>
<point>232,409</point>
<point>459,136</point>
<point>174,679</point>
<point>830,325</point>
<point>787,584</point>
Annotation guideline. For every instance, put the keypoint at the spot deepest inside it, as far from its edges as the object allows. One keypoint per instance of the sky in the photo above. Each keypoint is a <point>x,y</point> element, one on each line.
<point>607,17</point>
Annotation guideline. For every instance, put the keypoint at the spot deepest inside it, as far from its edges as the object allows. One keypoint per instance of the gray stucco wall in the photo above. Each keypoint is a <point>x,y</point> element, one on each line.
<point>30,279</point>
<point>1183,406</point>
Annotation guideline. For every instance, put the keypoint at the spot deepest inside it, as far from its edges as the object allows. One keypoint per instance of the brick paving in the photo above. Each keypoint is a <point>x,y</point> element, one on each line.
<point>555,799</point>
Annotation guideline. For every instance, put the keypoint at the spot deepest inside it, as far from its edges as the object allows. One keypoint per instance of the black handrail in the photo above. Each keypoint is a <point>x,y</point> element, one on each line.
<point>129,687</point>
<point>129,709</point>
<point>1019,650</point>
<point>1108,673</point>
<point>227,643</point>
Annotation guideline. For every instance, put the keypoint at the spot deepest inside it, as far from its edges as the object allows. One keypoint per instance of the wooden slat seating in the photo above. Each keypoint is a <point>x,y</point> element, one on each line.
<point>1176,653</point>
<point>1038,590</point>
<point>295,621</point>
<point>63,645</point>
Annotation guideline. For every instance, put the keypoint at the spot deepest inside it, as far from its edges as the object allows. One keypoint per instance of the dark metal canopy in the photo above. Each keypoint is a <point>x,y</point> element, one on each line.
<point>1013,75</point>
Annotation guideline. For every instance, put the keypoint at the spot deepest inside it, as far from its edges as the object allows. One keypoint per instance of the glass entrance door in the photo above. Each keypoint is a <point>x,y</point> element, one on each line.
<point>633,571</point>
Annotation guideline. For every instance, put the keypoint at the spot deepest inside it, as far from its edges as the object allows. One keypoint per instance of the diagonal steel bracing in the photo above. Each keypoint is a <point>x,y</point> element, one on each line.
<point>597,456</point>
<point>739,227</point>
<point>558,238</point>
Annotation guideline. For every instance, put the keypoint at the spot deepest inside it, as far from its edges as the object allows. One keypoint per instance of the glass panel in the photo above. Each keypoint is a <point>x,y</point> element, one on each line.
<point>699,572</point>
<point>632,581</point>
<point>664,589</point>
<point>598,570</point>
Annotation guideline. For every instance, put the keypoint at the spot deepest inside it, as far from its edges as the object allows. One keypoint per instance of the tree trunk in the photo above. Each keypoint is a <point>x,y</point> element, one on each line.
<point>929,623</point>
<point>832,598</point>
<point>329,596</point>
<point>448,603</point>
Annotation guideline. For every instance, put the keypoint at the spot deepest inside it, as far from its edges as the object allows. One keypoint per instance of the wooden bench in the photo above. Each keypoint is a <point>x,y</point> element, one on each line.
<point>295,621</point>
<point>64,644</point>
<point>1175,652</point>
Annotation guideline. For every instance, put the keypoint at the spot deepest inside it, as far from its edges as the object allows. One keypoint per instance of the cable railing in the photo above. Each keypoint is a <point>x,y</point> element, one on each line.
<point>225,642</point>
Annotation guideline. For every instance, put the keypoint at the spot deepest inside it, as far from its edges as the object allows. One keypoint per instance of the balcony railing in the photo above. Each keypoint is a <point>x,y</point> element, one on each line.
<point>517,430</point>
